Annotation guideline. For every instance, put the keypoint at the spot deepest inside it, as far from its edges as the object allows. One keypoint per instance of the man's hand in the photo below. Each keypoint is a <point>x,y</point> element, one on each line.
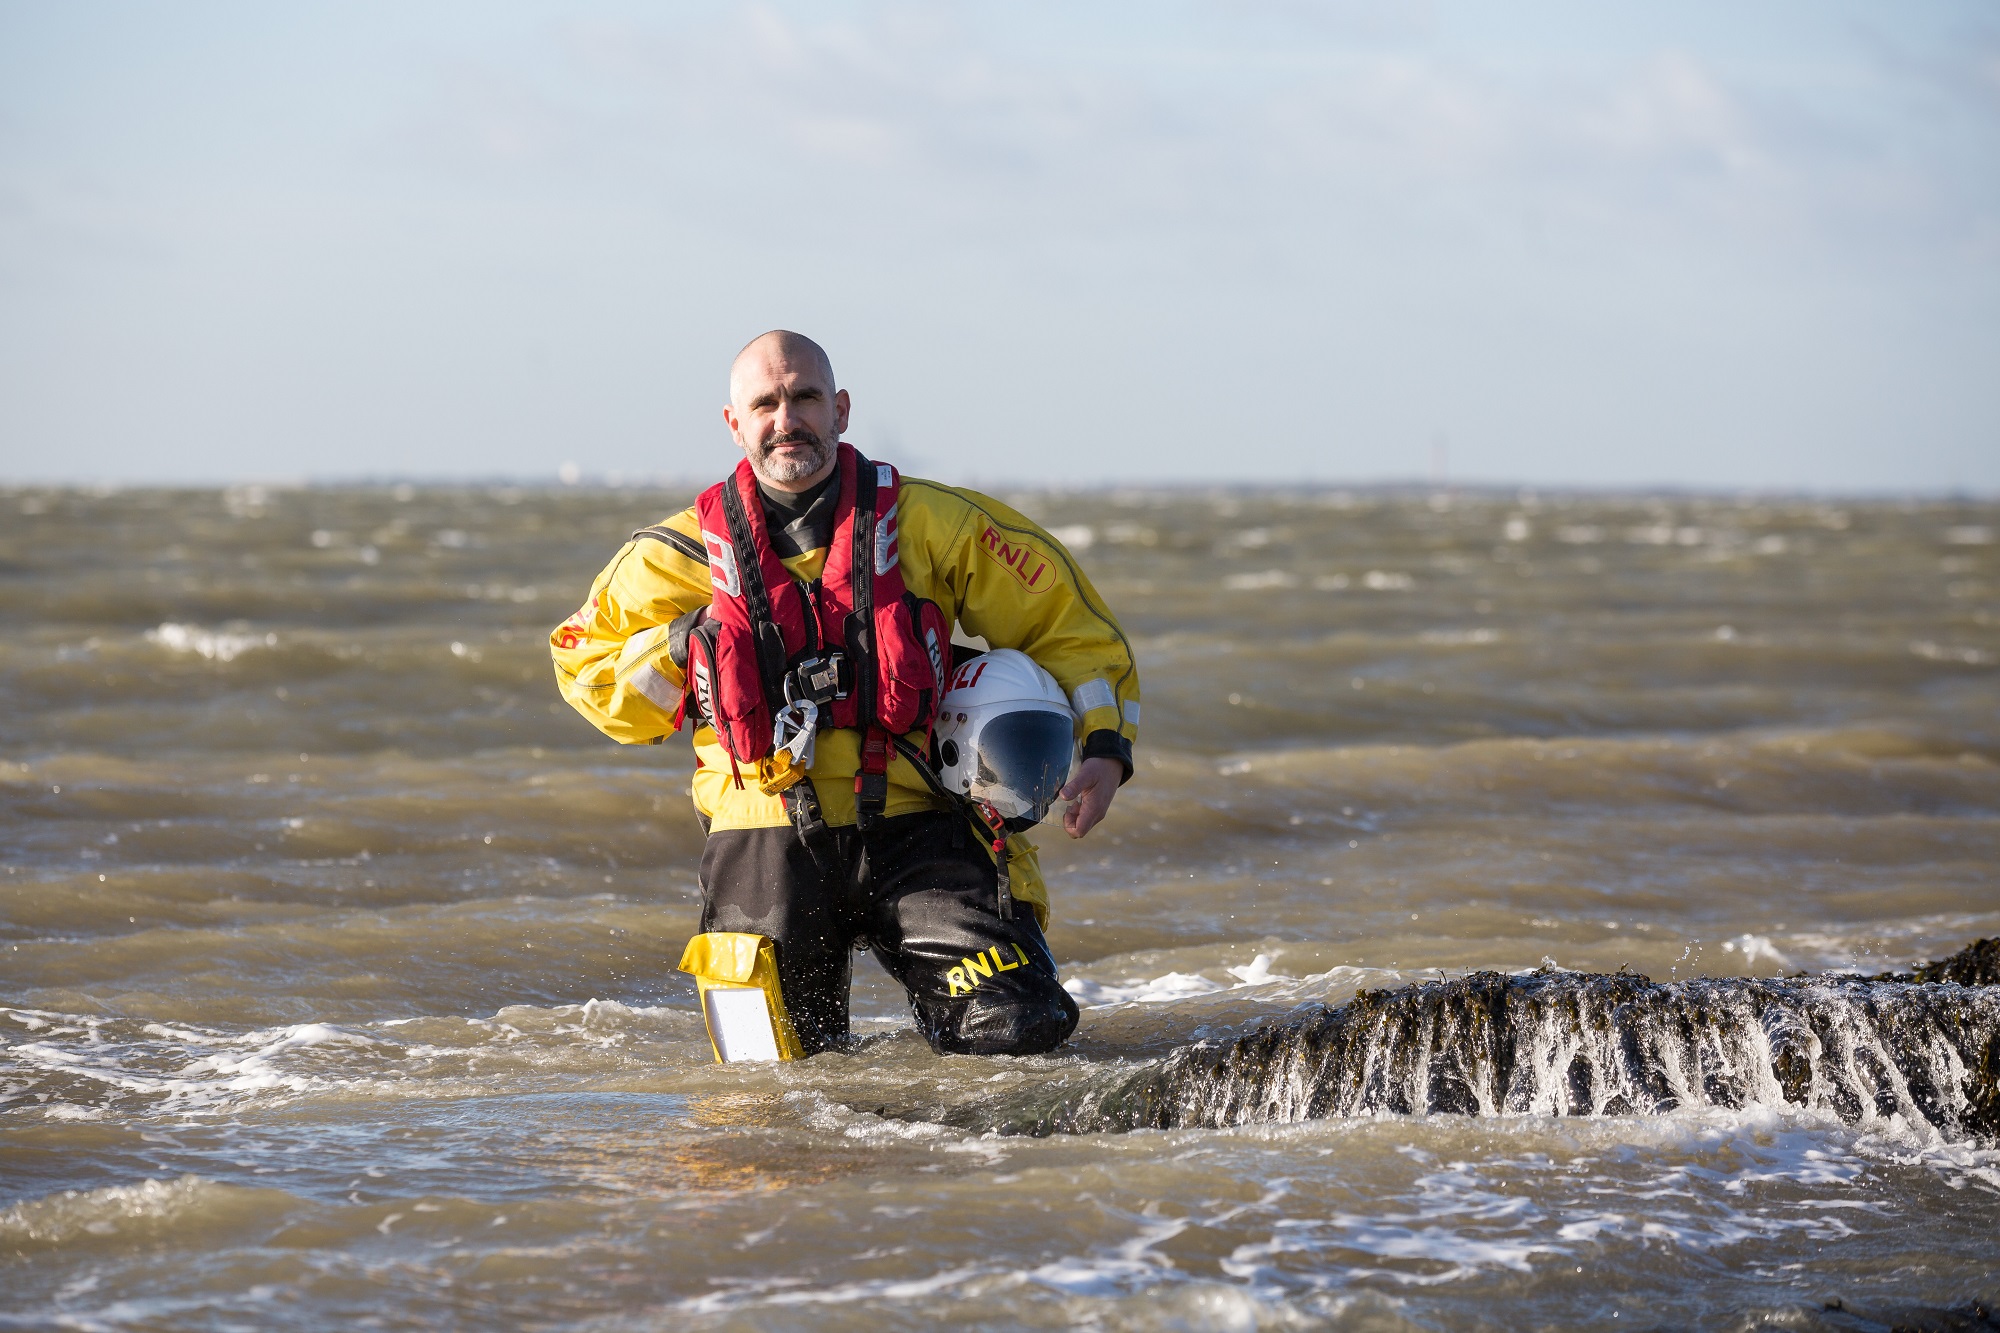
<point>1089,794</point>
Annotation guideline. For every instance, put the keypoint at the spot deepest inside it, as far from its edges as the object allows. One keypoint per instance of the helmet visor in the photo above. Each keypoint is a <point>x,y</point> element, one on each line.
<point>1023,761</point>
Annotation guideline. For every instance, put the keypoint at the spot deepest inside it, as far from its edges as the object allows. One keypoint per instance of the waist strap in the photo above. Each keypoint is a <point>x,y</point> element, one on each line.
<point>802,808</point>
<point>871,780</point>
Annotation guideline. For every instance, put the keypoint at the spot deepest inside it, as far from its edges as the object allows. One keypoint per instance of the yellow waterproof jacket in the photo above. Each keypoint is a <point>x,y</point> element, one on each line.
<point>995,573</point>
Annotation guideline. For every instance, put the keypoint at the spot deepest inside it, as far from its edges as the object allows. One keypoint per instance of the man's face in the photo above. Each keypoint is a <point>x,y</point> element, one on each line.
<point>785,413</point>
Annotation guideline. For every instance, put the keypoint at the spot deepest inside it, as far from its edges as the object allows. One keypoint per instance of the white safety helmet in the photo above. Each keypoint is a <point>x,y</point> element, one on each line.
<point>1005,736</point>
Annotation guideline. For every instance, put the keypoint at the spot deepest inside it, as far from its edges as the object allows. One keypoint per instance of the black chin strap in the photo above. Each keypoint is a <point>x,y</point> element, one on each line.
<point>994,834</point>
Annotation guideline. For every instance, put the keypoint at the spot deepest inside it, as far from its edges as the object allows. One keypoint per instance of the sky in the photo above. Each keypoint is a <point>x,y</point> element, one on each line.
<point>1608,244</point>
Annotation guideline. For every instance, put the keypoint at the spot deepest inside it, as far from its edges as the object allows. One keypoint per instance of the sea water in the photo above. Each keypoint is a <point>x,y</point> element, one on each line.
<point>336,952</point>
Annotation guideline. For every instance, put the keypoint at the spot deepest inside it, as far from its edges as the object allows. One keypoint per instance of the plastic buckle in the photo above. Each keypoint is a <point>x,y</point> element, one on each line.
<point>820,679</point>
<point>777,772</point>
<point>802,808</point>
<point>871,795</point>
<point>871,783</point>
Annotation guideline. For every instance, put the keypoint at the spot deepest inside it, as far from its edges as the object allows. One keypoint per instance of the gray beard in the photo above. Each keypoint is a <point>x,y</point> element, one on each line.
<point>779,469</point>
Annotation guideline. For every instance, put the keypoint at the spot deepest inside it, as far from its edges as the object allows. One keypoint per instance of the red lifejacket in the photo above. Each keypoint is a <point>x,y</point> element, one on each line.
<point>868,652</point>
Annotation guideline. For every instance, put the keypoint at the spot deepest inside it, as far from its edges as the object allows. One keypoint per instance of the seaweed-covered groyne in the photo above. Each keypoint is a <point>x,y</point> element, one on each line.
<point>1922,1045</point>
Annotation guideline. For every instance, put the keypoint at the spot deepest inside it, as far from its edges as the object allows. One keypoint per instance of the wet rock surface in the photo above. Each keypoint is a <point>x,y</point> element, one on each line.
<point>1916,1048</point>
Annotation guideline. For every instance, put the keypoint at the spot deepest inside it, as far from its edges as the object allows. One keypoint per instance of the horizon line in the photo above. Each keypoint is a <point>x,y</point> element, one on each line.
<point>616,481</point>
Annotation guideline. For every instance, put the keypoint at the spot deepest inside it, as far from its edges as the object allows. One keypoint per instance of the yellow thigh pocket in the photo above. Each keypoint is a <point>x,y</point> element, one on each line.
<point>736,979</point>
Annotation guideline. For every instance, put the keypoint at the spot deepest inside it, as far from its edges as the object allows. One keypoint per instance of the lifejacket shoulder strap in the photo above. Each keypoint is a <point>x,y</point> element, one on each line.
<point>861,583</point>
<point>871,779</point>
<point>764,629</point>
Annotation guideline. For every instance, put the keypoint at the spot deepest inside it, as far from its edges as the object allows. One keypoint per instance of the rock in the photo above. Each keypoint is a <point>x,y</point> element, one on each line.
<point>1923,1045</point>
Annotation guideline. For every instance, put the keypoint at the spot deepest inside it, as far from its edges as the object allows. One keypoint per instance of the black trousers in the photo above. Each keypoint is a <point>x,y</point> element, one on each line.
<point>921,894</point>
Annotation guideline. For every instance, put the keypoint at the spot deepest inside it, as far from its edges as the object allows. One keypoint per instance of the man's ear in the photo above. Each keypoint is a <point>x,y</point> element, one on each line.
<point>840,405</point>
<point>729,418</point>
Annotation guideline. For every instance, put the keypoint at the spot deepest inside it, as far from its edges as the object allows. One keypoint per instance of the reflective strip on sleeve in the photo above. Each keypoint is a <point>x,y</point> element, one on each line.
<point>649,681</point>
<point>1094,693</point>
<point>641,644</point>
<point>1131,712</point>
<point>645,676</point>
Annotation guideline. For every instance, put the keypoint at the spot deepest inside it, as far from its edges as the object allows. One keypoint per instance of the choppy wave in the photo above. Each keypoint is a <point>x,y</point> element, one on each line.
<point>338,953</point>
<point>188,1209</point>
<point>71,1067</point>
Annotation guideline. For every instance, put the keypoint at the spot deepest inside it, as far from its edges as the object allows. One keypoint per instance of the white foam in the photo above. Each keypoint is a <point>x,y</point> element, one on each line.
<point>1173,986</point>
<point>270,1041</point>
<point>1698,1182</point>
<point>76,1215</point>
<point>614,1016</point>
<point>601,1023</point>
<point>1107,1273</point>
<point>256,1072</point>
<point>1141,990</point>
<point>1884,946</point>
<point>833,1118</point>
<point>211,645</point>
<point>1262,581</point>
<point>773,1291</point>
<point>1754,947</point>
<point>173,1034</point>
<point>1464,1254</point>
<point>1256,972</point>
<point>187,1069</point>
<point>1938,652</point>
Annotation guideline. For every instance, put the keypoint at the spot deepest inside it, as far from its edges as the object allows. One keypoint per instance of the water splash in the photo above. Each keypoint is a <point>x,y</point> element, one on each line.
<point>1911,1050</point>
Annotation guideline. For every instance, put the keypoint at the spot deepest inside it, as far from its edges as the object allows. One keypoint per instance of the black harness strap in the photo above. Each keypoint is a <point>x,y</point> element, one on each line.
<point>801,799</point>
<point>861,579</point>
<point>679,541</point>
<point>802,808</point>
<point>764,629</point>
<point>871,782</point>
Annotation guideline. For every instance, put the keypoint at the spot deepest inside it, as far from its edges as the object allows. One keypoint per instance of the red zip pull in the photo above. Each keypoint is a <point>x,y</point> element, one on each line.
<point>809,592</point>
<point>871,780</point>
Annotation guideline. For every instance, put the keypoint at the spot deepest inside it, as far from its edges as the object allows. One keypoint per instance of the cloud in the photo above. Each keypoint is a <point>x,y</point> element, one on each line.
<point>1538,231</point>
<point>896,125</point>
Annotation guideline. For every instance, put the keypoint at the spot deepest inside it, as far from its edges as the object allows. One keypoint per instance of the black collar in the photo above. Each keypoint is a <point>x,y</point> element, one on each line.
<point>801,521</point>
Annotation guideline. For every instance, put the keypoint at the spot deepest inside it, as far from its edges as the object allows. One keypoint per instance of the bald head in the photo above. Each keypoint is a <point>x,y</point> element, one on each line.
<point>784,409</point>
<point>779,346</point>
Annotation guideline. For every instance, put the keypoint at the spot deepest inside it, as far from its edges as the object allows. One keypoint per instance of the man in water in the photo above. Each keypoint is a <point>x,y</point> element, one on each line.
<point>860,851</point>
